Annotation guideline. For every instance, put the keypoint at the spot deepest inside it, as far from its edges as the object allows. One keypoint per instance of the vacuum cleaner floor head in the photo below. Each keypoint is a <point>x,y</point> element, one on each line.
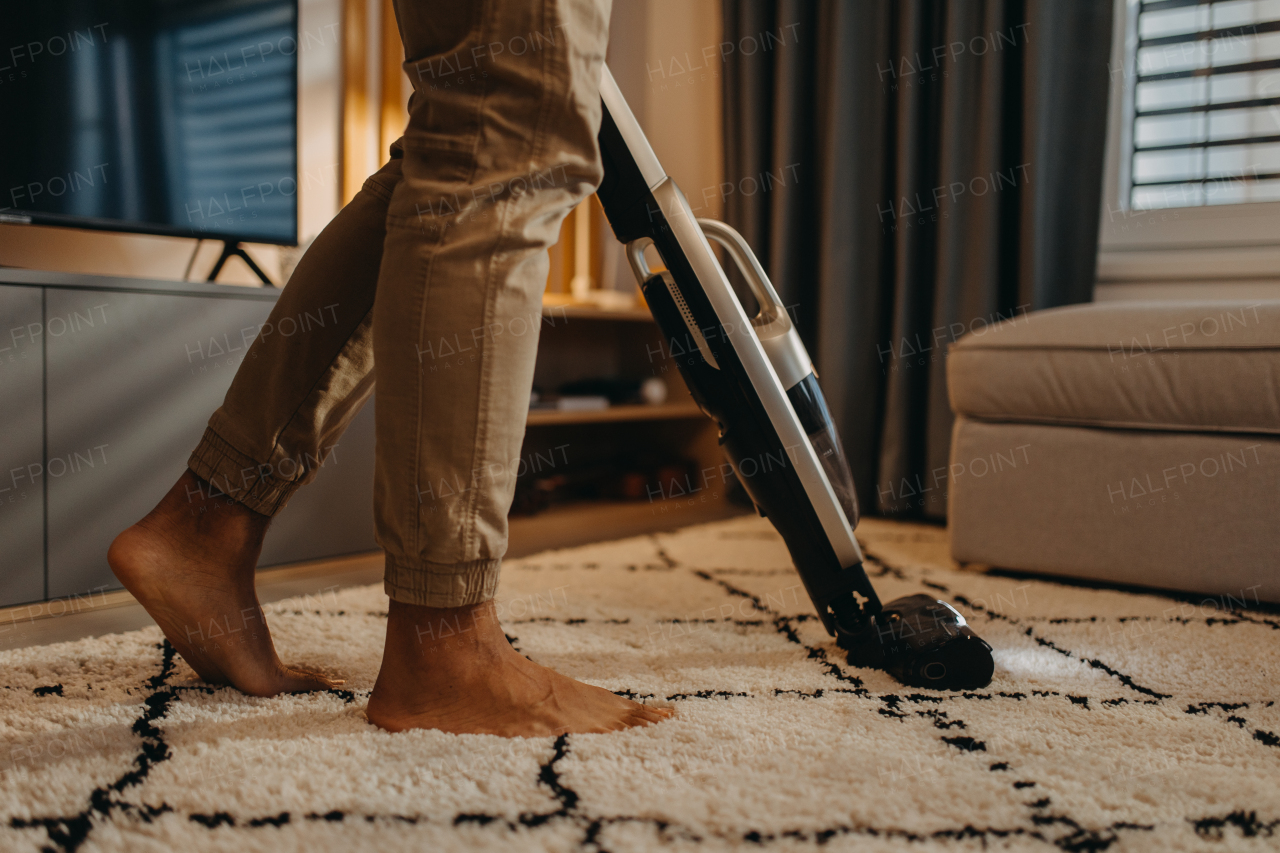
<point>923,642</point>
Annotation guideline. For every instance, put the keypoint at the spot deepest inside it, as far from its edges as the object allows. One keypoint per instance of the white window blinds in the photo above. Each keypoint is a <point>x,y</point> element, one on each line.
<point>1205,102</point>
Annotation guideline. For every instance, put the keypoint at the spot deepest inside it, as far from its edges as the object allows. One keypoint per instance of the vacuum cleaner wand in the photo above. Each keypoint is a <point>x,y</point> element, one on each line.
<point>753,376</point>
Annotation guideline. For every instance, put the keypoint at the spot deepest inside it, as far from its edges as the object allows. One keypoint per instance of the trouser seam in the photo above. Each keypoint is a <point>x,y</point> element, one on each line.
<point>414,507</point>
<point>323,374</point>
<point>372,186</point>
<point>320,377</point>
<point>327,372</point>
<point>482,431</point>
<point>481,447</point>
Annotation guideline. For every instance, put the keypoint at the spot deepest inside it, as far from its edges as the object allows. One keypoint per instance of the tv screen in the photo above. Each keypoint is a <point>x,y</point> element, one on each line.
<point>157,116</point>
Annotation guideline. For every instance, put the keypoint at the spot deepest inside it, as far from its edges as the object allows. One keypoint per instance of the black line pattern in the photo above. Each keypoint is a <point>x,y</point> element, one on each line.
<point>1248,824</point>
<point>70,832</point>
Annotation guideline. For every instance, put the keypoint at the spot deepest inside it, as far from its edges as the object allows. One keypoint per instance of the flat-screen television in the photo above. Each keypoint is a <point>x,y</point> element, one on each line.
<point>154,116</point>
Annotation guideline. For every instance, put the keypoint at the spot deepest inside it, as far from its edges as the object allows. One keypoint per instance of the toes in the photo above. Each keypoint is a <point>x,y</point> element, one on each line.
<point>286,680</point>
<point>307,681</point>
<point>645,716</point>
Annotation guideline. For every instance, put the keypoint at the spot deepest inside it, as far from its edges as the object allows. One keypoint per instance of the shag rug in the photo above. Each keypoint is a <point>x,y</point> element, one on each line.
<point>1116,721</point>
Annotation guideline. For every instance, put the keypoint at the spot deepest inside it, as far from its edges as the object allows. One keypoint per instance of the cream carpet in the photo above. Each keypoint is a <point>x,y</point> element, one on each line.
<point>1116,721</point>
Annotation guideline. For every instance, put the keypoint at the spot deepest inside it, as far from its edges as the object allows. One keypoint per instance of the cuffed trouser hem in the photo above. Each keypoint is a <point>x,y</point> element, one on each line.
<point>441,584</point>
<point>240,477</point>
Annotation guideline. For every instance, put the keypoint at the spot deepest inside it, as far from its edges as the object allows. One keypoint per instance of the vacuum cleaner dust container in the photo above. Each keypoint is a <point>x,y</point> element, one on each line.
<point>810,407</point>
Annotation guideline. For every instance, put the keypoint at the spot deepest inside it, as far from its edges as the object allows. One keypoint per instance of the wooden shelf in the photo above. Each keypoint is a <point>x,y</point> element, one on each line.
<point>613,414</point>
<point>582,341</point>
<point>587,311</point>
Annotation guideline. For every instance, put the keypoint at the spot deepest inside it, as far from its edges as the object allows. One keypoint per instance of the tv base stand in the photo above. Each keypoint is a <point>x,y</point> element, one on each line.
<point>231,248</point>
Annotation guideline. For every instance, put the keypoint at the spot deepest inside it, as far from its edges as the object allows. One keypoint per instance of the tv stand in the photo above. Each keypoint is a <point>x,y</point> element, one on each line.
<point>75,470</point>
<point>231,248</point>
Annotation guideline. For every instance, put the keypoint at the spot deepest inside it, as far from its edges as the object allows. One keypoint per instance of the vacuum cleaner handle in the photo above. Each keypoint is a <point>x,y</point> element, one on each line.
<point>772,321</point>
<point>771,308</point>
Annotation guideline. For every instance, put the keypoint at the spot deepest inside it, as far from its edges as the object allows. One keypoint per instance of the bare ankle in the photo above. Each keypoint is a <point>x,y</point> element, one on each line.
<point>442,637</point>
<point>195,505</point>
<point>193,494</point>
<point>193,528</point>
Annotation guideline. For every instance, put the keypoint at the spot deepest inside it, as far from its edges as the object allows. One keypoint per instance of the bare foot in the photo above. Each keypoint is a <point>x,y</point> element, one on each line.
<point>191,564</point>
<point>452,669</point>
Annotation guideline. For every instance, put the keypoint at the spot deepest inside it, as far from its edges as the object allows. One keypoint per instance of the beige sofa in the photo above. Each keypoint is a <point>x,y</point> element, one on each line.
<point>1128,442</point>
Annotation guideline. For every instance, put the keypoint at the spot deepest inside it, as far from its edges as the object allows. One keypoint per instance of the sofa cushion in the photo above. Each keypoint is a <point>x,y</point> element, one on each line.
<point>1203,366</point>
<point>1191,511</point>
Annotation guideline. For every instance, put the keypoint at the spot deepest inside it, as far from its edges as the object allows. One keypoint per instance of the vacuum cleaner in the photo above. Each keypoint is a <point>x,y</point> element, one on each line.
<point>753,377</point>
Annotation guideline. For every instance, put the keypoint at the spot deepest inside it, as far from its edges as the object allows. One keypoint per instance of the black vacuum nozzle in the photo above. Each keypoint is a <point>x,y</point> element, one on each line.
<point>922,642</point>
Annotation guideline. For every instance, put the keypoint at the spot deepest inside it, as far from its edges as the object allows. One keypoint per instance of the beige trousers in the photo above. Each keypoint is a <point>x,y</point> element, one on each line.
<point>430,284</point>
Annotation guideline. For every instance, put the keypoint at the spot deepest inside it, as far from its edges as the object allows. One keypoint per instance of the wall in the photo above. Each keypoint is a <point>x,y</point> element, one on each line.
<point>145,256</point>
<point>656,52</point>
<point>656,55</point>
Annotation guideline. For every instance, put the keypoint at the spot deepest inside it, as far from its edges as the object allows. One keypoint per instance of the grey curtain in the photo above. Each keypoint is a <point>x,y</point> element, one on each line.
<point>909,171</point>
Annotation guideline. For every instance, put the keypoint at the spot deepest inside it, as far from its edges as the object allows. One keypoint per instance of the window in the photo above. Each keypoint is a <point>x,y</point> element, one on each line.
<point>1202,104</point>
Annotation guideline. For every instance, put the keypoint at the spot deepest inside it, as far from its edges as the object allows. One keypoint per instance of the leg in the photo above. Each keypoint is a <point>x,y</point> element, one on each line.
<point>191,561</point>
<point>494,160</point>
